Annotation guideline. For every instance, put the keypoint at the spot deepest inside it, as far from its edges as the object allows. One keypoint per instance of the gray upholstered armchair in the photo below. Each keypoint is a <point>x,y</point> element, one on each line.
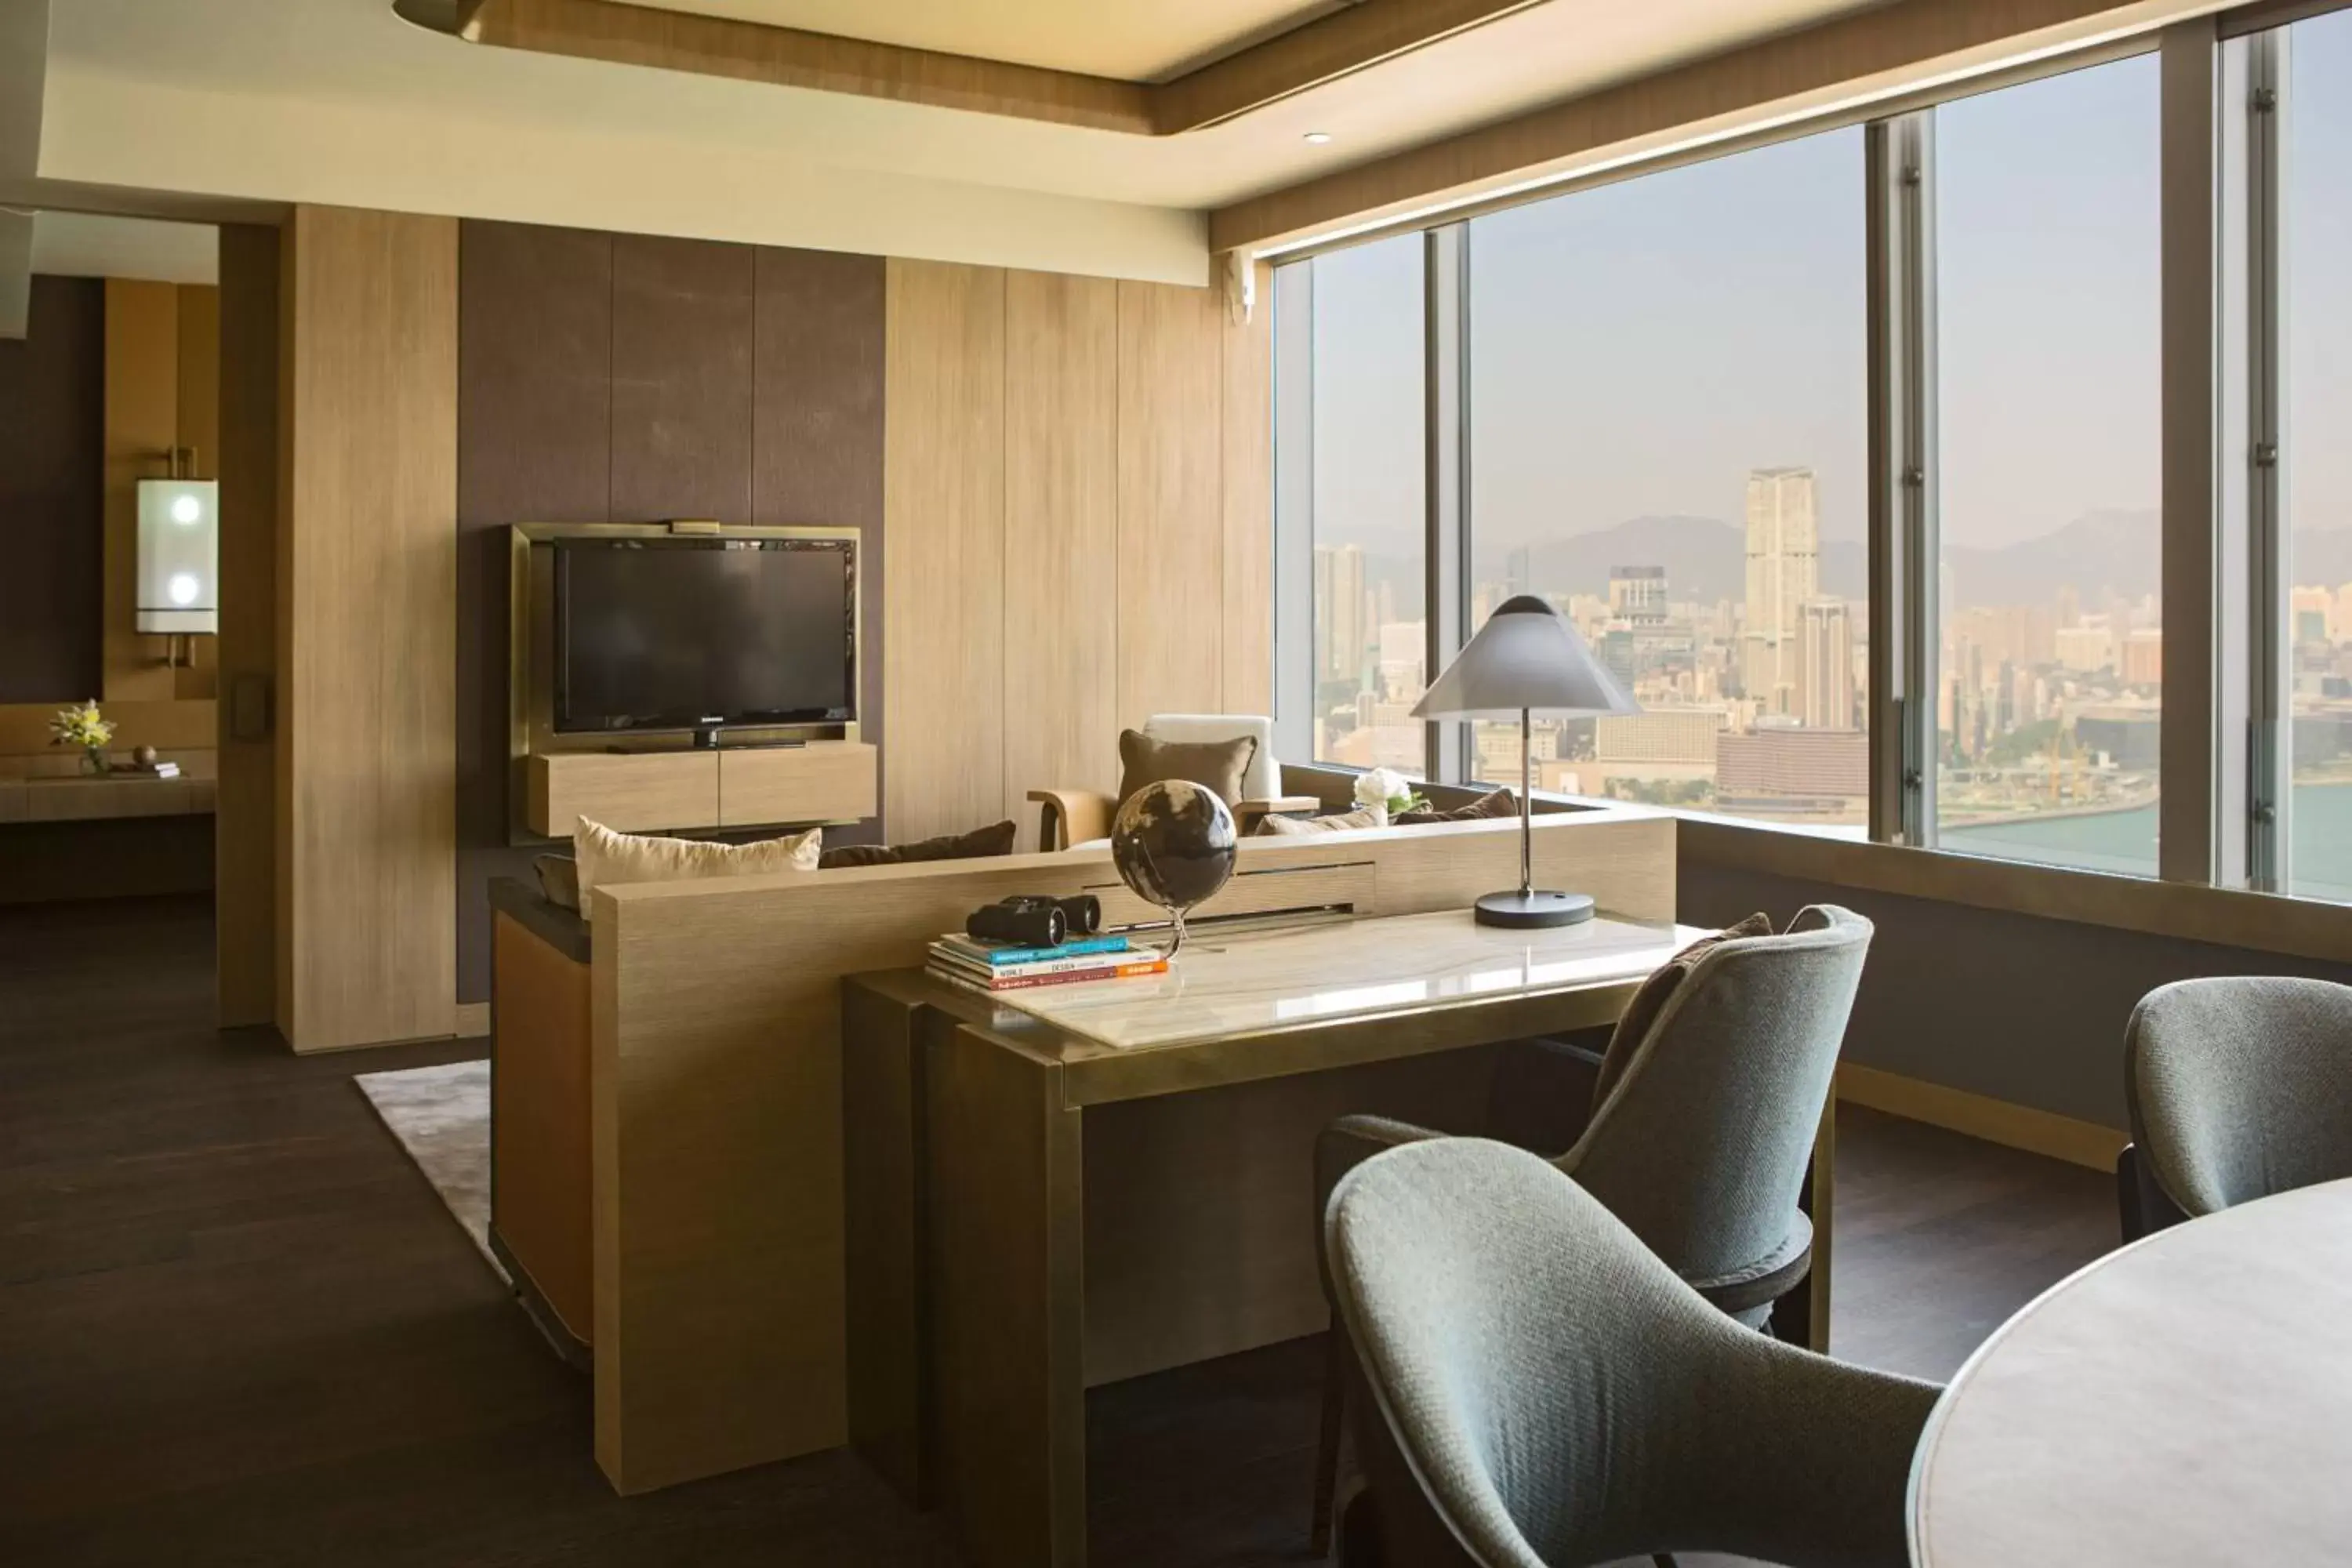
<point>2239,1088</point>
<point>1703,1121</point>
<point>1537,1390</point>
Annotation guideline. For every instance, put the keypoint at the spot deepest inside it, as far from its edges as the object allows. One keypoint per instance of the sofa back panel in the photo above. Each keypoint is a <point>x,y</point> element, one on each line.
<point>718,1149</point>
<point>540,1178</point>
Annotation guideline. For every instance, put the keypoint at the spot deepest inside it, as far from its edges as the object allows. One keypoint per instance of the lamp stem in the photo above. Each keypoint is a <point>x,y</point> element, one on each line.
<point>1527,810</point>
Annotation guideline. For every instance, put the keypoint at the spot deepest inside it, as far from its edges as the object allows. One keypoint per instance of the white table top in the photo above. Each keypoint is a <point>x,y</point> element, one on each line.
<point>2185,1401</point>
<point>1241,984</point>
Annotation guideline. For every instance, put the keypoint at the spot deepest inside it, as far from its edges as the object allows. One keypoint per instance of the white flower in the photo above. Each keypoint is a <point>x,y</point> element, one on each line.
<point>1380,787</point>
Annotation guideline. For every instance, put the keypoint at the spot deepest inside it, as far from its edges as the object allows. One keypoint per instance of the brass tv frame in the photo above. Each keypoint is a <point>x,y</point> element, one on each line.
<point>530,624</point>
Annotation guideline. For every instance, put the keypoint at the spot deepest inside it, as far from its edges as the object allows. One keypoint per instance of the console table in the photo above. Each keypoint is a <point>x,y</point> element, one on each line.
<point>1057,1188</point>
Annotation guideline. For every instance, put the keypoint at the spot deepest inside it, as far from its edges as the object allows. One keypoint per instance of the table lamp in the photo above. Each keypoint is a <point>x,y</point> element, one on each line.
<point>1527,657</point>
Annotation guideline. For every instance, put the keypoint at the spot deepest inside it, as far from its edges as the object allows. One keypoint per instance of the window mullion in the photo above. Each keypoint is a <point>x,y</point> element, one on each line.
<point>1903,522</point>
<point>1445,401</point>
<point>2268,741</point>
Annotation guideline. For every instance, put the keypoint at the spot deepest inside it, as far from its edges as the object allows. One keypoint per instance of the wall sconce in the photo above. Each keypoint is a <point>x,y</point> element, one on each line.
<point>179,555</point>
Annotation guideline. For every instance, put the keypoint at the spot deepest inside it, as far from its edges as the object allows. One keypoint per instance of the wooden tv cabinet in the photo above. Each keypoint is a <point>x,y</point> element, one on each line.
<point>743,787</point>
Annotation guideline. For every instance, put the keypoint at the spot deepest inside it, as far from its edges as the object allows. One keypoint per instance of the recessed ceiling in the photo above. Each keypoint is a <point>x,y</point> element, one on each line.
<point>1135,40</point>
<point>339,102</point>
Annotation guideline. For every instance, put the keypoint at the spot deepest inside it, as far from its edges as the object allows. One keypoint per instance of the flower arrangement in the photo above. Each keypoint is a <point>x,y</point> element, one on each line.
<point>83,726</point>
<point>1389,791</point>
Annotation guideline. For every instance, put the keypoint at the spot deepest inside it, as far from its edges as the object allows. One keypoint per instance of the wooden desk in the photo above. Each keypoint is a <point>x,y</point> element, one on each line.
<point>1064,1187</point>
<point>2181,1402</point>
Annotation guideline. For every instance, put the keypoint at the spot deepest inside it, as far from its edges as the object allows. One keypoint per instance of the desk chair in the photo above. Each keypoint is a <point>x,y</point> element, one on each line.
<point>2238,1087</point>
<point>1702,1123</point>
<point>1539,1391</point>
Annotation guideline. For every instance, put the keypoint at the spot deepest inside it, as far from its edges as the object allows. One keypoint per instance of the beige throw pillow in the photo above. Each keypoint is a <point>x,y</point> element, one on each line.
<point>606,857</point>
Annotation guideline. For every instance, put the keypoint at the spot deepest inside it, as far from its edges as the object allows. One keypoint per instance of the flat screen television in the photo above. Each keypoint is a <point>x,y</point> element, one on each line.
<point>704,633</point>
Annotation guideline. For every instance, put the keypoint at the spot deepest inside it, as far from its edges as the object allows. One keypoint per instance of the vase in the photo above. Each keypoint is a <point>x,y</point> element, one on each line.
<point>93,760</point>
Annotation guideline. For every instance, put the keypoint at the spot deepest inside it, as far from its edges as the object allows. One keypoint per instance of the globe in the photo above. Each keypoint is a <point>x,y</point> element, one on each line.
<point>1174,845</point>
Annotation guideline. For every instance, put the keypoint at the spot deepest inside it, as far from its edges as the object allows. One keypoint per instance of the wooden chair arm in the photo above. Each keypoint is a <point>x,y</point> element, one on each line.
<point>1071,817</point>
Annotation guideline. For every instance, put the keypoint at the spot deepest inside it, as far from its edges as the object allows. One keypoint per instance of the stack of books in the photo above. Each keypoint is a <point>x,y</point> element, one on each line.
<point>997,967</point>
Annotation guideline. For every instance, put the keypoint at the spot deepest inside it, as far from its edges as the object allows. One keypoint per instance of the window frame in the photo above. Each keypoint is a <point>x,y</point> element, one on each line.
<point>2221,772</point>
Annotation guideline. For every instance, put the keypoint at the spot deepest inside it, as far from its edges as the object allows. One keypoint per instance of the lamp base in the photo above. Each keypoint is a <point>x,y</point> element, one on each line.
<point>1524,911</point>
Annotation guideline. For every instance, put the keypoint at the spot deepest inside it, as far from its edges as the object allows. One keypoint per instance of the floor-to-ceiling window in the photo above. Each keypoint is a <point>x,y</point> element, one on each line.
<point>1667,437</point>
<point>2316,322</point>
<point>1367,650</point>
<point>2050,656</point>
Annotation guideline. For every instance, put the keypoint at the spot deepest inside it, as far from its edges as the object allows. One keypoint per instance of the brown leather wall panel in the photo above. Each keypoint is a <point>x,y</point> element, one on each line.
<point>52,398</point>
<point>628,378</point>
<point>681,380</point>
<point>534,445</point>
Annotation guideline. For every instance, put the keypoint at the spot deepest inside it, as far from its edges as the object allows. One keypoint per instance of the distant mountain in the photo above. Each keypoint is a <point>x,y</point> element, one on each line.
<point>2098,553</point>
<point>1705,559</point>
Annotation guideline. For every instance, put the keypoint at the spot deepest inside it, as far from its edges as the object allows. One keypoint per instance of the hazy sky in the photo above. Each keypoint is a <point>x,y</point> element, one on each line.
<point>1639,347</point>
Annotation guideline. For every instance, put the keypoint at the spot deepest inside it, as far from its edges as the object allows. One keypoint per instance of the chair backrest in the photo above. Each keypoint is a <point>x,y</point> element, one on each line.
<point>1263,781</point>
<point>1550,1391</point>
<point>1701,1147</point>
<point>2240,1087</point>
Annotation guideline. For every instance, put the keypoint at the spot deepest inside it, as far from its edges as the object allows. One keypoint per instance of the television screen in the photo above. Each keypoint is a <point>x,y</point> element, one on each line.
<point>685,633</point>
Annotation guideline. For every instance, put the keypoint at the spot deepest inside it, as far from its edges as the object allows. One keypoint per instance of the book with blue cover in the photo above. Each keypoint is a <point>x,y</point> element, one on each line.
<point>996,955</point>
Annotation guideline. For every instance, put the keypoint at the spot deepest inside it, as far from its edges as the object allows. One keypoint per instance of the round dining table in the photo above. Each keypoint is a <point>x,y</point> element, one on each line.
<point>2186,1400</point>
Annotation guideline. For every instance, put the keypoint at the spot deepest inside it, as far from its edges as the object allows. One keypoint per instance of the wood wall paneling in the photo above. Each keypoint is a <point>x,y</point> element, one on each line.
<point>1061,509</point>
<point>534,445</point>
<point>682,335</point>
<point>943,504</point>
<point>1247,431</point>
<point>142,395</point>
<point>197,419</point>
<point>245,793</point>
<point>817,368</point>
<point>1171,492</point>
<point>368,631</point>
<point>52,417</point>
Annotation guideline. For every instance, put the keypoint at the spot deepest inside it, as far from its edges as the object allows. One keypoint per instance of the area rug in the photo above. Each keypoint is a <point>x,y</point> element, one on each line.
<point>441,1117</point>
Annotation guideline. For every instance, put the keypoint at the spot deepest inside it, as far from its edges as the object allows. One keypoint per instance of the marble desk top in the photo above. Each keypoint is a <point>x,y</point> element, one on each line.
<point>1234,983</point>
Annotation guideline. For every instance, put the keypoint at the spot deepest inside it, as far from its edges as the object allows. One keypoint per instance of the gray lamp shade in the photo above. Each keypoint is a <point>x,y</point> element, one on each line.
<point>1526,657</point>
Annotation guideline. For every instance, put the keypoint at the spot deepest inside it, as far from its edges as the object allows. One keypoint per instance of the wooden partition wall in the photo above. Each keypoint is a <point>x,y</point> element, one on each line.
<point>1078,494</point>
<point>366,652</point>
<point>245,812</point>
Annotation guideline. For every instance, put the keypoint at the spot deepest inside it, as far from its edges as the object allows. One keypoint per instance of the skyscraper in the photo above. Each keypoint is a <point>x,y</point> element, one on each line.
<point>1517,575</point>
<point>1825,664</point>
<point>1784,571</point>
<point>1340,635</point>
<point>1638,593</point>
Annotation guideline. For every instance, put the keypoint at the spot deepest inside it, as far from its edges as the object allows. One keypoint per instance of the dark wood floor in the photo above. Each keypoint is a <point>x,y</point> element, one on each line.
<point>237,1328</point>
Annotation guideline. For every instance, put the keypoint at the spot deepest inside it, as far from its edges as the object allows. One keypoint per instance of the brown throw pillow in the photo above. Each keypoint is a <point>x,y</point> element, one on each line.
<point>1217,766</point>
<point>559,879</point>
<point>1285,827</point>
<point>992,840</point>
<point>1495,803</point>
<point>1650,1001</point>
